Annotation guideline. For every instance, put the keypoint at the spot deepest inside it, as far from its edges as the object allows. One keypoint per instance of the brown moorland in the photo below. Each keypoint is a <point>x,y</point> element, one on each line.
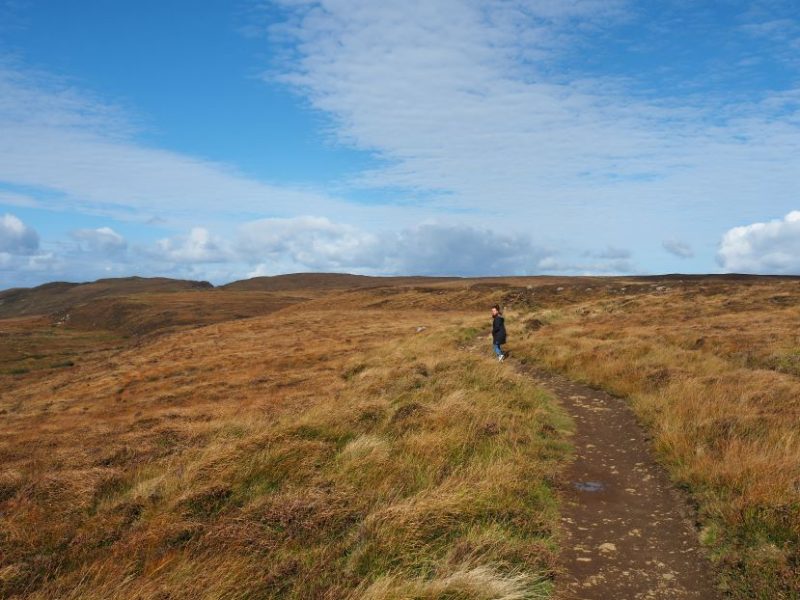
<point>82,326</point>
<point>331,448</point>
<point>317,282</point>
<point>326,450</point>
<point>57,296</point>
<point>711,365</point>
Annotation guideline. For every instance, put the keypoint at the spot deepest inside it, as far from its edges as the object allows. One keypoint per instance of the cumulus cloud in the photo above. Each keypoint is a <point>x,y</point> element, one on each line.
<point>199,246</point>
<point>103,241</point>
<point>461,250</point>
<point>772,247</point>
<point>315,243</point>
<point>678,248</point>
<point>312,242</point>
<point>16,237</point>
<point>21,270</point>
<point>22,260</point>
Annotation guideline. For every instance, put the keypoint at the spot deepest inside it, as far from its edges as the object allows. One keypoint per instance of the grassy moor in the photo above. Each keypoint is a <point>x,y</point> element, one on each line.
<point>711,365</point>
<point>332,436</point>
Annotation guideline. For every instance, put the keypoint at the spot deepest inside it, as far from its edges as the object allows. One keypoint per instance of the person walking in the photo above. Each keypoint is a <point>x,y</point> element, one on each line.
<point>498,332</point>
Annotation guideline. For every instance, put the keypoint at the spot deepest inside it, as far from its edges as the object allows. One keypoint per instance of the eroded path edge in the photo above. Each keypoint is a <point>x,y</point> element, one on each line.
<point>629,533</point>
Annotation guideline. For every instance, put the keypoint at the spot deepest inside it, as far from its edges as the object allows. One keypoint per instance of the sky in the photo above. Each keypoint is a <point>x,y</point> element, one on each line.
<point>220,140</point>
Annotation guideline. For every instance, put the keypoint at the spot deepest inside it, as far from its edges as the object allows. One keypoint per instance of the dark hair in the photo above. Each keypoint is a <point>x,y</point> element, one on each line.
<point>497,308</point>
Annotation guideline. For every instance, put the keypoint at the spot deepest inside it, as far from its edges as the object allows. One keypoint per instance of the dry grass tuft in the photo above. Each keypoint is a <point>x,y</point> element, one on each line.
<point>478,583</point>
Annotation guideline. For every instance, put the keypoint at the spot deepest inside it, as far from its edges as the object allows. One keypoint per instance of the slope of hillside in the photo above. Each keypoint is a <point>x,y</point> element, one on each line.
<point>60,296</point>
<point>67,337</point>
<point>141,314</point>
<point>33,344</point>
<point>325,281</point>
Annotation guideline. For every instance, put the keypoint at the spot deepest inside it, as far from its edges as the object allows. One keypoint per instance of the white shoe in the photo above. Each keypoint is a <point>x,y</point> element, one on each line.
<point>501,357</point>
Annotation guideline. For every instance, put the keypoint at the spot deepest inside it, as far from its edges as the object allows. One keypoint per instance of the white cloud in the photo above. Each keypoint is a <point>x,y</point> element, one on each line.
<point>436,88</point>
<point>308,242</point>
<point>14,199</point>
<point>678,248</point>
<point>473,101</point>
<point>314,243</point>
<point>199,246</point>
<point>16,237</point>
<point>70,150</point>
<point>22,260</point>
<point>432,249</point>
<point>467,105</point>
<point>103,241</point>
<point>772,247</point>
<point>20,270</point>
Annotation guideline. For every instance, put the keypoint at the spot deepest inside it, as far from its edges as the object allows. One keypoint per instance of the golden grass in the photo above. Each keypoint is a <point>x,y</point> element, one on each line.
<point>320,452</point>
<point>480,583</point>
<point>712,371</point>
<point>144,313</point>
<point>330,451</point>
<point>33,343</point>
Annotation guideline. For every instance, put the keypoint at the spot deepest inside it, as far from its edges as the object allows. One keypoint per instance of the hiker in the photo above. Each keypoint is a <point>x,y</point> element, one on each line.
<point>498,332</point>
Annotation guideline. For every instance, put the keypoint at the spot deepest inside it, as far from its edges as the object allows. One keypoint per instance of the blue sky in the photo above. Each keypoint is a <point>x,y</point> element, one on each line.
<point>221,140</point>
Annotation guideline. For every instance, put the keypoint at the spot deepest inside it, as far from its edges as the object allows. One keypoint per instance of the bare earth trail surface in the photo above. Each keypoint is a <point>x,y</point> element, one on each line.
<point>629,533</point>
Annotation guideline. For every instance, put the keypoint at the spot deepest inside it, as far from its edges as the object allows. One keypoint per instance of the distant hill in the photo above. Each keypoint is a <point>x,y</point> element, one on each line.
<point>87,301</point>
<point>324,281</point>
<point>714,277</point>
<point>141,305</point>
<point>59,296</point>
<point>141,314</point>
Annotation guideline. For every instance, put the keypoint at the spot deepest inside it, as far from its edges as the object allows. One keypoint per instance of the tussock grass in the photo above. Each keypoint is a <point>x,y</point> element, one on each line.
<point>478,583</point>
<point>700,369</point>
<point>234,462</point>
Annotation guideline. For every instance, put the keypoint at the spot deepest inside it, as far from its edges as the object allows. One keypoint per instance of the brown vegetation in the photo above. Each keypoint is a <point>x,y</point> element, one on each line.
<point>324,451</point>
<point>35,344</point>
<point>711,365</point>
<point>53,297</point>
<point>141,314</point>
<point>317,282</point>
<point>333,443</point>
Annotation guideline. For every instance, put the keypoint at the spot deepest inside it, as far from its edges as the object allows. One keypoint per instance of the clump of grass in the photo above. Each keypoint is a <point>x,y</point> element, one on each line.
<point>478,583</point>
<point>62,364</point>
<point>353,370</point>
<point>468,334</point>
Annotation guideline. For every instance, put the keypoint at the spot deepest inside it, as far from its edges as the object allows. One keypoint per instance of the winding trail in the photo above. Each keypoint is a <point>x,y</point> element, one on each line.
<point>629,532</point>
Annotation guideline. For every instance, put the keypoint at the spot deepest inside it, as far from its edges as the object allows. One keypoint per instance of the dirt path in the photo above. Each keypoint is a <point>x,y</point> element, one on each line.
<point>629,533</point>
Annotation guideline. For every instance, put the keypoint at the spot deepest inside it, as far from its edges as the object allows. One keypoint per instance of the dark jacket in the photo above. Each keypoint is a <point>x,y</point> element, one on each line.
<point>498,330</point>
